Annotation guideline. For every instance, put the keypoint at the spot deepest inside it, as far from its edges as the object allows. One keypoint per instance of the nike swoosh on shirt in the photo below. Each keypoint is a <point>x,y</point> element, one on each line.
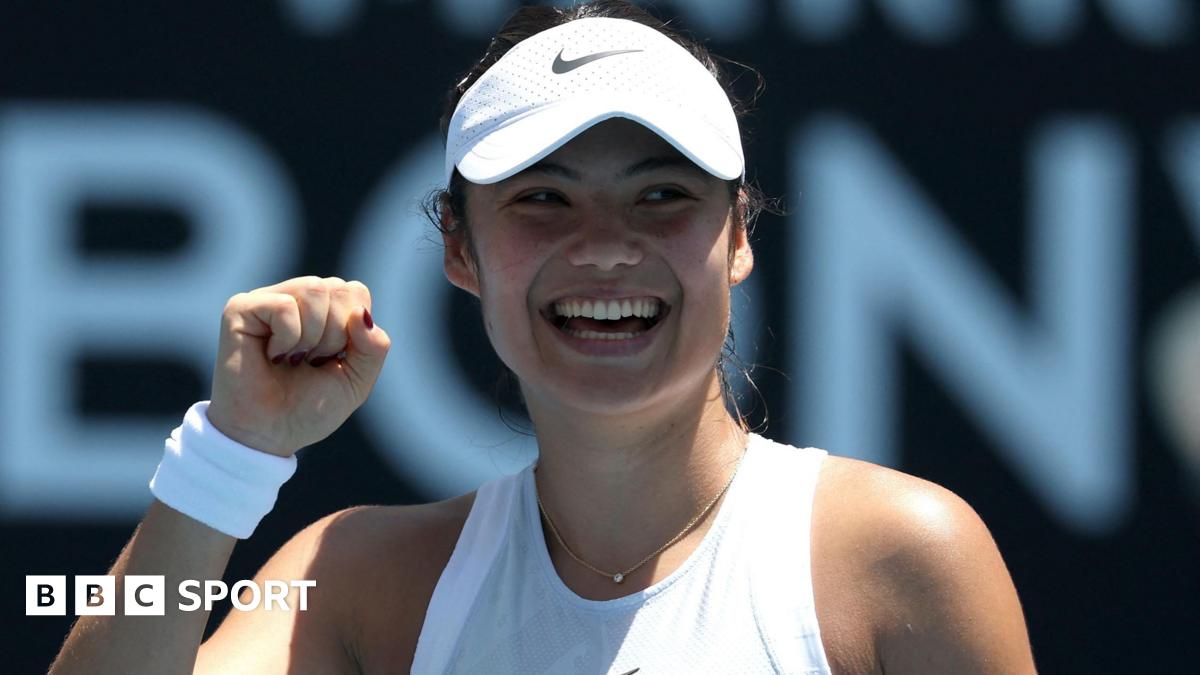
<point>631,672</point>
<point>561,65</point>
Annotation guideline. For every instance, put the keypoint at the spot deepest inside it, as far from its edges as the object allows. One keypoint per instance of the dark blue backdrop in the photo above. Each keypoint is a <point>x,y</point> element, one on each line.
<point>983,278</point>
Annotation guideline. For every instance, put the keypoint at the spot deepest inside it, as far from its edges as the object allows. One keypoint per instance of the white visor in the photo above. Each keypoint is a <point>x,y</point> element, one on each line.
<point>554,85</point>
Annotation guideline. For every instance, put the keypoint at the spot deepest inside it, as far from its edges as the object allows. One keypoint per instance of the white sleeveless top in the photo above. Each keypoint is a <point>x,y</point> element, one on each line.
<point>742,602</point>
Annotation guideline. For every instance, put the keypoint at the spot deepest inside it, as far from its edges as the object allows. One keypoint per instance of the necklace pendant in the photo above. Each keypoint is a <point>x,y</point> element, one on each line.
<point>618,577</point>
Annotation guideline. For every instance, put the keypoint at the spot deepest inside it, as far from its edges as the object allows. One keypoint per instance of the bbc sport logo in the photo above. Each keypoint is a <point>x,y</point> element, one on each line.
<point>145,594</point>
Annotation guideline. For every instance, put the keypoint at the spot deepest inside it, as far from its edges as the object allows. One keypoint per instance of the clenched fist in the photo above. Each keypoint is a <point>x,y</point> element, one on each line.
<point>294,361</point>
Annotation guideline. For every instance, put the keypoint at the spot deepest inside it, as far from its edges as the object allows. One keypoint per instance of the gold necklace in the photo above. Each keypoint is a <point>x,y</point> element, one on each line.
<point>618,577</point>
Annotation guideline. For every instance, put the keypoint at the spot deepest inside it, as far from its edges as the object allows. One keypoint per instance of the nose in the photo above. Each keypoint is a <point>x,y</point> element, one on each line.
<point>604,242</point>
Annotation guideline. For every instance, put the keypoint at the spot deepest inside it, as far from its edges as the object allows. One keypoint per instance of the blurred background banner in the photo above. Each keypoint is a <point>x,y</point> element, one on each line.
<point>987,275</point>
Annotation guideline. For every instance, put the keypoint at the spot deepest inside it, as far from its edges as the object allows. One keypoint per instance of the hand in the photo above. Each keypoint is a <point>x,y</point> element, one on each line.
<point>259,397</point>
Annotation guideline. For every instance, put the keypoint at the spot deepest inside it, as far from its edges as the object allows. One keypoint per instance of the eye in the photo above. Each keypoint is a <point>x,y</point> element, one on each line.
<point>542,197</point>
<point>664,194</point>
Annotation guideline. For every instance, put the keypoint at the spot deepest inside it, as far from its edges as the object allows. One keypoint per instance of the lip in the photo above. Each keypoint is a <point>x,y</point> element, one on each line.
<point>601,347</point>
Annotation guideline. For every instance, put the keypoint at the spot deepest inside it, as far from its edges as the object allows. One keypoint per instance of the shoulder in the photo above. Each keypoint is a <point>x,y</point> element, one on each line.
<point>406,535</point>
<point>941,598</point>
<point>903,515</point>
<point>384,562</point>
<point>371,566</point>
<point>376,540</point>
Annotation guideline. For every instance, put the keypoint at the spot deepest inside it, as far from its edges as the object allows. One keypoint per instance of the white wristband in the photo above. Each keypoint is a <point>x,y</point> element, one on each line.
<point>216,480</point>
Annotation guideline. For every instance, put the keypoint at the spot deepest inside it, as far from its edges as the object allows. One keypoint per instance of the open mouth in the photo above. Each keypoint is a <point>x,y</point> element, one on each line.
<point>606,320</point>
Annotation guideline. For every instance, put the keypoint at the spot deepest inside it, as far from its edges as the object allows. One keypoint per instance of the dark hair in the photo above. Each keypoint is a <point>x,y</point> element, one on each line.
<point>448,205</point>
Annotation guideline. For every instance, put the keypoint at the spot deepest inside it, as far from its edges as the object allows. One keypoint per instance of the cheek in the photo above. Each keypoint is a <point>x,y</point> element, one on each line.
<point>702,262</point>
<point>516,245</point>
<point>699,251</point>
<point>509,265</point>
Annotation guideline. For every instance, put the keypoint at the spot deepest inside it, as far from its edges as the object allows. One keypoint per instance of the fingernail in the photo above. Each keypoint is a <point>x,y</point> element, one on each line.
<point>367,319</point>
<point>297,358</point>
<point>320,361</point>
<point>279,359</point>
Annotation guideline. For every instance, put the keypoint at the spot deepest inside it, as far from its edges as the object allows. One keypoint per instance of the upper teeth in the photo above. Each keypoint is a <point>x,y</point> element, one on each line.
<point>608,309</point>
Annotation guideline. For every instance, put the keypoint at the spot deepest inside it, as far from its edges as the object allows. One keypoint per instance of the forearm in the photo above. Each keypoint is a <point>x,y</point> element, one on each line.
<point>166,543</point>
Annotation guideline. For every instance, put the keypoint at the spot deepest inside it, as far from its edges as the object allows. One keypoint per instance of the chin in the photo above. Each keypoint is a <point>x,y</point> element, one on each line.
<point>615,395</point>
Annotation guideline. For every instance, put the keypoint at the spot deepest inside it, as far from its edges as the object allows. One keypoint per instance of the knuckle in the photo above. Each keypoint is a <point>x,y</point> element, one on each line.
<point>359,287</point>
<point>284,303</point>
<point>311,285</point>
<point>235,301</point>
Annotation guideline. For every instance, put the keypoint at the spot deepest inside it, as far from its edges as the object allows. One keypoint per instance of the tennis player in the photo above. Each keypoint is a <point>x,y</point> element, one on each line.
<point>596,205</point>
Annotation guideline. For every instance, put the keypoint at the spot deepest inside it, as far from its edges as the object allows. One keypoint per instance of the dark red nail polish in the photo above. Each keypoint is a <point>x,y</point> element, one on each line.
<point>320,361</point>
<point>297,358</point>
<point>279,359</point>
<point>367,319</point>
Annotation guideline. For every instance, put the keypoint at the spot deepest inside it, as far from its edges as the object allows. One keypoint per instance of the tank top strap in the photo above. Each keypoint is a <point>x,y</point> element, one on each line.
<point>780,556</point>
<point>484,533</point>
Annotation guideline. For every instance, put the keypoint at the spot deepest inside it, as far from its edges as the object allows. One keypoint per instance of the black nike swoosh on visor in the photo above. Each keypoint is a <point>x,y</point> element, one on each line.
<point>561,66</point>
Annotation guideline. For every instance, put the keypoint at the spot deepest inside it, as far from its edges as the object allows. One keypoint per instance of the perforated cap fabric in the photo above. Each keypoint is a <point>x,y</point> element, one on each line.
<point>552,86</point>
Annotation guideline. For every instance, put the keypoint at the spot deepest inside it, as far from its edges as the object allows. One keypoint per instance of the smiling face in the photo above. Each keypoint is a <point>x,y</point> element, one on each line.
<point>615,219</point>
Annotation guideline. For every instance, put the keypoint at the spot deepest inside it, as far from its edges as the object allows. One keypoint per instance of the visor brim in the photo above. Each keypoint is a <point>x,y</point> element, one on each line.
<point>527,139</point>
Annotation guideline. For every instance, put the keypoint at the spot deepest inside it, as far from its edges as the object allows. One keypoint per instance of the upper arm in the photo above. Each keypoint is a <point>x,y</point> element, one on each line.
<point>951,605</point>
<point>318,639</point>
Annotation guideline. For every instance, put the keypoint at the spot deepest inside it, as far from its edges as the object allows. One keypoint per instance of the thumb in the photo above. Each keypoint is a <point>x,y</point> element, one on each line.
<point>368,347</point>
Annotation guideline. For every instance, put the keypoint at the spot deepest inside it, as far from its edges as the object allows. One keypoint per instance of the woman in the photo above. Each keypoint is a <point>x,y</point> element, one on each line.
<point>596,206</point>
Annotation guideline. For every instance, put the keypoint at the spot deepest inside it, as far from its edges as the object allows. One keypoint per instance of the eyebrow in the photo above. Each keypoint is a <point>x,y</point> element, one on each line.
<point>667,162</point>
<point>553,169</point>
<point>644,166</point>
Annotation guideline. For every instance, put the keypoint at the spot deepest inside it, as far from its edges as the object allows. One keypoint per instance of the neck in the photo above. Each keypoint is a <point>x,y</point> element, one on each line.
<point>619,488</point>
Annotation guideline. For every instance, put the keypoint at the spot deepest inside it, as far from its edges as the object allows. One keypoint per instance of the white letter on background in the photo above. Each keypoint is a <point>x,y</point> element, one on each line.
<point>1050,389</point>
<point>60,305</point>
